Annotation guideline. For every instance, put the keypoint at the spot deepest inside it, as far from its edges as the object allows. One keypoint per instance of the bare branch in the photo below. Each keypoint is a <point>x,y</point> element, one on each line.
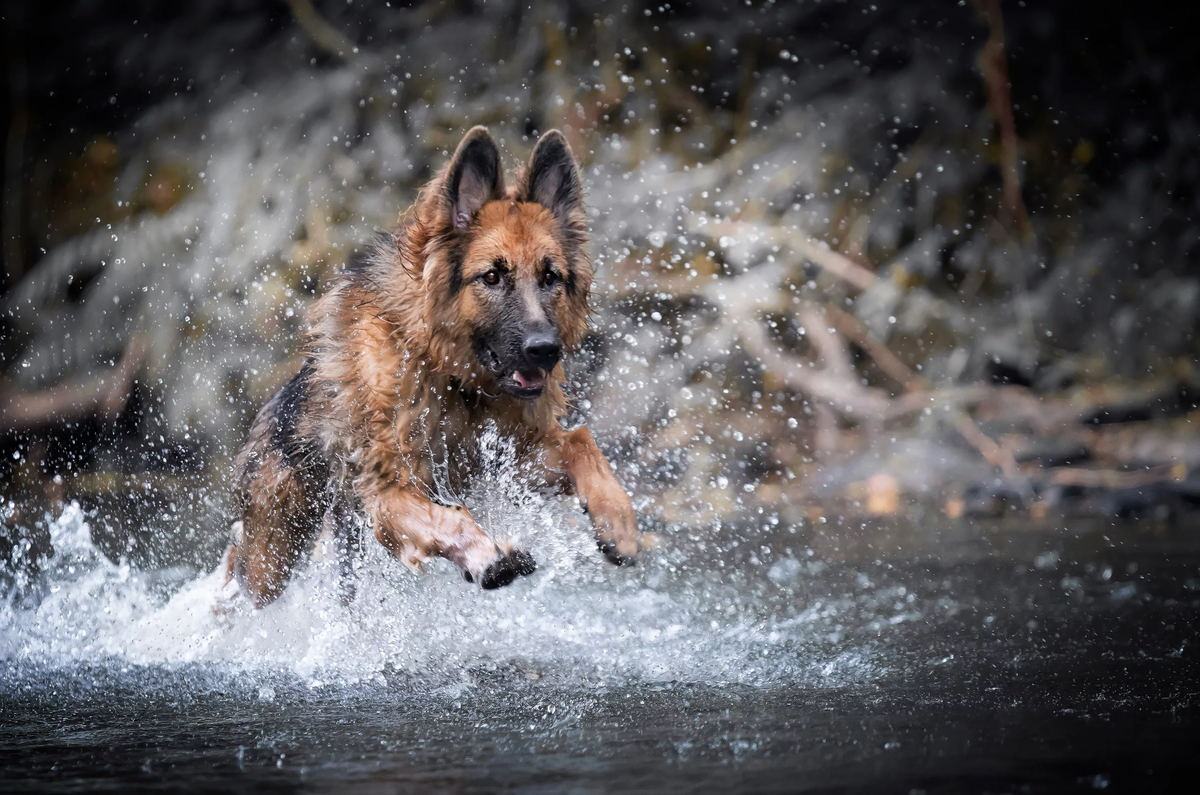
<point>842,393</point>
<point>1115,479</point>
<point>831,347</point>
<point>993,62</point>
<point>853,329</point>
<point>996,455</point>
<point>102,397</point>
<point>816,252</point>
<point>326,36</point>
<point>839,265</point>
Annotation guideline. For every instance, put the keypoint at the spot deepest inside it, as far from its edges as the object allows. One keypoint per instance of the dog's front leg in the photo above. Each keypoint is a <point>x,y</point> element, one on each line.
<point>575,454</point>
<point>414,528</point>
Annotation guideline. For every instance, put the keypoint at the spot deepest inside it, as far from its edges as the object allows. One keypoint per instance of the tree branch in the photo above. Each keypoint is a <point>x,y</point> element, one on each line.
<point>993,62</point>
<point>818,253</point>
<point>851,328</point>
<point>103,397</point>
<point>842,393</point>
<point>326,36</point>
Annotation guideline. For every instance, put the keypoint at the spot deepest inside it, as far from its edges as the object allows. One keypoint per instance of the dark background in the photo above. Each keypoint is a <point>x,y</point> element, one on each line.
<point>1102,98</point>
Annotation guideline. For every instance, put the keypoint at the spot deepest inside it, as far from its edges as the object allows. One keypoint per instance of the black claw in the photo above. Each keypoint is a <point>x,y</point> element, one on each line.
<point>497,576</point>
<point>523,563</point>
<point>609,548</point>
<point>467,576</point>
<point>516,563</point>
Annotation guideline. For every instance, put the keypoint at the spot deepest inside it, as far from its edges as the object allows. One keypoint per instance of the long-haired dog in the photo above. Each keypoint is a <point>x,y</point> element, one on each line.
<point>456,321</point>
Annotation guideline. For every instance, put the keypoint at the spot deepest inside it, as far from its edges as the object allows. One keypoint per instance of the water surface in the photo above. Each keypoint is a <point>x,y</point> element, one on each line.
<point>894,657</point>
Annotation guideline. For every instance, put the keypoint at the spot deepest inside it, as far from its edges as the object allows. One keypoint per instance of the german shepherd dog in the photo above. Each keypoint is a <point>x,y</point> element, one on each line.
<point>455,322</point>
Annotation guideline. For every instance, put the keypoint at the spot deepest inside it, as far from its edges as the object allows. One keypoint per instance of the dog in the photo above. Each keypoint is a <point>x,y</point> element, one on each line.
<point>455,322</point>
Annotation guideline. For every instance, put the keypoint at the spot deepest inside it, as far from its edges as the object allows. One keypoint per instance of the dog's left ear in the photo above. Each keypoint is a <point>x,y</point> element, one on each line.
<point>473,178</point>
<point>552,180</point>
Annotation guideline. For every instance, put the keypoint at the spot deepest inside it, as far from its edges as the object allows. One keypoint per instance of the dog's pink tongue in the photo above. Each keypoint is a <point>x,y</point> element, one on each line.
<point>528,380</point>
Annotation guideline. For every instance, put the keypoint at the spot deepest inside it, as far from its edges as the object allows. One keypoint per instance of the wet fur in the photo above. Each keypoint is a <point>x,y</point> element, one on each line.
<point>404,368</point>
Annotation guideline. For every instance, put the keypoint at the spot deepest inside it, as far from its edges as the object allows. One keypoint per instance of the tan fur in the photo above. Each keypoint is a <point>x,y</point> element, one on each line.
<point>393,384</point>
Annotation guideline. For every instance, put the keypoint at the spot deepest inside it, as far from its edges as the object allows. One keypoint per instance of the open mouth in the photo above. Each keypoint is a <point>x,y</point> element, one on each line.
<point>527,384</point>
<point>531,380</point>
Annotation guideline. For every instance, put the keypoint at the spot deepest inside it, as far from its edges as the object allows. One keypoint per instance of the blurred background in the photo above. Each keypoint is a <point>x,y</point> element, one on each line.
<point>855,260</point>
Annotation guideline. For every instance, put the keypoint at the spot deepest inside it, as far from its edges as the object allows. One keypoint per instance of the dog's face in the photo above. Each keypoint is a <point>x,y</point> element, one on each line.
<point>512,264</point>
<point>518,280</point>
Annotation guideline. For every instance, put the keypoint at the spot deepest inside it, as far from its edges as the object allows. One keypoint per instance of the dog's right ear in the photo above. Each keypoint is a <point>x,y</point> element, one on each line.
<point>473,179</point>
<point>552,180</point>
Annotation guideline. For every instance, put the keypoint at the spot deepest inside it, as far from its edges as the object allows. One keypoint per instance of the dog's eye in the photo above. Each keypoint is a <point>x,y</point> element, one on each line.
<point>549,278</point>
<point>492,277</point>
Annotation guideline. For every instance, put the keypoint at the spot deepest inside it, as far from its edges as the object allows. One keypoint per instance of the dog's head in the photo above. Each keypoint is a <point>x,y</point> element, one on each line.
<point>506,271</point>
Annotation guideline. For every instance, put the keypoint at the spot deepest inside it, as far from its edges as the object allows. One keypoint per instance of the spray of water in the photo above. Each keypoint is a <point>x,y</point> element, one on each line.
<point>675,617</point>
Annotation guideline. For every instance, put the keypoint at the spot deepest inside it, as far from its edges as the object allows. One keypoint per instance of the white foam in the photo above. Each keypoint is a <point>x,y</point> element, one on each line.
<point>576,618</point>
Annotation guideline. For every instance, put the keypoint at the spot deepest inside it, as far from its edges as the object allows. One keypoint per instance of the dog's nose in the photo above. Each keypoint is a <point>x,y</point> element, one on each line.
<point>543,349</point>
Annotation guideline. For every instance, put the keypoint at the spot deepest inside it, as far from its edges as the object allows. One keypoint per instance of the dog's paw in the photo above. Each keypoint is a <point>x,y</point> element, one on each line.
<point>522,562</point>
<point>615,524</point>
<point>517,563</point>
<point>614,555</point>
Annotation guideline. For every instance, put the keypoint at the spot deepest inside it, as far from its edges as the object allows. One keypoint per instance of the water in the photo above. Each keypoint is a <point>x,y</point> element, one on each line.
<point>917,655</point>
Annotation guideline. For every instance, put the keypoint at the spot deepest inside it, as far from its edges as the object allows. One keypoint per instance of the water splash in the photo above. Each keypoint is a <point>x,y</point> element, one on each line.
<point>674,617</point>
